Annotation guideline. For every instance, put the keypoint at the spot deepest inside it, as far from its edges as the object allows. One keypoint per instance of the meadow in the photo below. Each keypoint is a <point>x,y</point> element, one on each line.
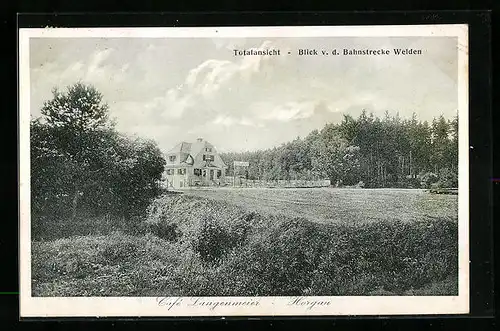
<point>261,242</point>
<point>328,205</point>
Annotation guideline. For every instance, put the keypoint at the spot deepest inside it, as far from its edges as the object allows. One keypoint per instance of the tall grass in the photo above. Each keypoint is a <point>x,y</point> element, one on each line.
<point>191,246</point>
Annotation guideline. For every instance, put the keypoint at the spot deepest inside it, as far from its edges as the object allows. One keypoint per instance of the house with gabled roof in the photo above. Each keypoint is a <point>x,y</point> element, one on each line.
<point>194,164</point>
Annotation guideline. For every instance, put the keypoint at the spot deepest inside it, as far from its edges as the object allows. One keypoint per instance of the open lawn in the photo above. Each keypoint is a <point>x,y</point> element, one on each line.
<point>338,204</point>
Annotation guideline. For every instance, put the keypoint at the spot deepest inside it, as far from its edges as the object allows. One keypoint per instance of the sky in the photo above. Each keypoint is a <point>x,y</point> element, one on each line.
<point>179,89</point>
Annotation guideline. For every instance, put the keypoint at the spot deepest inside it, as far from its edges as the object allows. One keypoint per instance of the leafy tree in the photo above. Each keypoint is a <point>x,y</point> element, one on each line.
<point>72,117</point>
<point>79,109</point>
<point>51,171</point>
<point>334,156</point>
<point>79,161</point>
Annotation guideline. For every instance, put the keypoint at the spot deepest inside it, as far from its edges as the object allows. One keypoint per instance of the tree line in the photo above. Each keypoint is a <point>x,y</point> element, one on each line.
<point>81,164</point>
<point>368,151</point>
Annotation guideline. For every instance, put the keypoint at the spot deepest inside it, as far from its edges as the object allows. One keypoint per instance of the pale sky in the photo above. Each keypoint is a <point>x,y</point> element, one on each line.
<point>174,90</point>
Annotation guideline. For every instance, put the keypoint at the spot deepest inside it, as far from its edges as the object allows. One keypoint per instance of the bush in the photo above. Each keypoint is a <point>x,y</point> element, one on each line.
<point>427,179</point>
<point>212,240</point>
<point>278,262</point>
<point>249,254</point>
<point>296,257</point>
<point>223,250</point>
<point>447,179</point>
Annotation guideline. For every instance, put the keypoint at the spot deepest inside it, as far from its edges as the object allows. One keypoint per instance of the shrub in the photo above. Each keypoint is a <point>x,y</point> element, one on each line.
<point>447,179</point>
<point>212,240</point>
<point>223,250</point>
<point>427,179</point>
<point>299,258</point>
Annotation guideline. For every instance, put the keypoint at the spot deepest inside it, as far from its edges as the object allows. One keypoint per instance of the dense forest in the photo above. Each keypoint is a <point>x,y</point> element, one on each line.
<point>367,151</point>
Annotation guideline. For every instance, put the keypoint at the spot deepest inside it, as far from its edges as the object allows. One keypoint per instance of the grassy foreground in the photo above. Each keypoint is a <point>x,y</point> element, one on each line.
<point>192,246</point>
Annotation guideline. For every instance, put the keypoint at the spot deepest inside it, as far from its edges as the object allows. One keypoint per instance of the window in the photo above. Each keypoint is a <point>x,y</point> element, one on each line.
<point>172,158</point>
<point>197,172</point>
<point>208,149</point>
<point>181,171</point>
<point>170,171</point>
<point>208,157</point>
<point>219,173</point>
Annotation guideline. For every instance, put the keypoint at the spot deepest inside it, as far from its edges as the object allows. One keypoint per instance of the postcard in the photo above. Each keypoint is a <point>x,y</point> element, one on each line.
<point>244,171</point>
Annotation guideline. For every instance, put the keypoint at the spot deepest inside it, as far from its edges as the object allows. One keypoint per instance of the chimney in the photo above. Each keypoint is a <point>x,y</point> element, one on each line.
<point>199,140</point>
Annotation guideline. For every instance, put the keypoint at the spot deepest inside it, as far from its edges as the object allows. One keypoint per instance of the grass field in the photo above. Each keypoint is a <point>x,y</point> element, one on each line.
<point>338,204</point>
<point>247,242</point>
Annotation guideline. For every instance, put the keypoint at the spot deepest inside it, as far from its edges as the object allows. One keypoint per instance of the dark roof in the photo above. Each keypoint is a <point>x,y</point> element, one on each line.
<point>192,149</point>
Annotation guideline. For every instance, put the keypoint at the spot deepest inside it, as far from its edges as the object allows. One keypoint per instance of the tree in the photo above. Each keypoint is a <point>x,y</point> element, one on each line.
<point>334,156</point>
<point>130,175</point>
<point>80,109</point>
<point>73,117</point>
<point>440,135</point>
<point>384,152</point>
<point>79,160</point>
<point>453,148</point>
<point>51,171</point>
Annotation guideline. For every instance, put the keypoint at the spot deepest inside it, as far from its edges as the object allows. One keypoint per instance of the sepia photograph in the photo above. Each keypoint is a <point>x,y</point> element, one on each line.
<point>244,171</point>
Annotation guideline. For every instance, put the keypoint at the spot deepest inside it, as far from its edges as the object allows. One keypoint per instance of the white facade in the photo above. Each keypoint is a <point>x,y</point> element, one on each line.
<point>194,164</point>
